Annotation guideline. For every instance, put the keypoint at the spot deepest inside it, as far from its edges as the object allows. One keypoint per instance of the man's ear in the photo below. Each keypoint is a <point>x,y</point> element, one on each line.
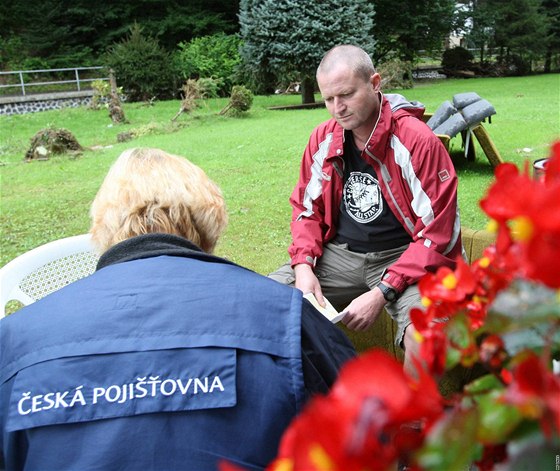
<point>375,80</point>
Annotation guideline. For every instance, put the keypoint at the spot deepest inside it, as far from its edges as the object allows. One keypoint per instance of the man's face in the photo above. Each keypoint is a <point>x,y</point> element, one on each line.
<point>351,100</point>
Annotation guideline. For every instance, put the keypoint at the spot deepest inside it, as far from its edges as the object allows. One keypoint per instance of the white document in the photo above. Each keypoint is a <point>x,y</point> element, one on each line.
<point>328,311</point>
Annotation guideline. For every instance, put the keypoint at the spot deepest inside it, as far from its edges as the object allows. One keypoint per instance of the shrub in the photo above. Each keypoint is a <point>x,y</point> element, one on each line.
<point>11,57</point>
<point>457,58</point>
<point>192,92</point>
<point>101,94</point>
<point>142,67</point>
<point>210,87</point>
<point>240,101</point>
<point>515,64</point>
<point>52,140</point>
<point>215,57</point>
<point>395,73</point>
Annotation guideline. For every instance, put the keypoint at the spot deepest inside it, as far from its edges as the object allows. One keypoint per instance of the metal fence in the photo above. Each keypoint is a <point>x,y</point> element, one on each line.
<point>25,78</point>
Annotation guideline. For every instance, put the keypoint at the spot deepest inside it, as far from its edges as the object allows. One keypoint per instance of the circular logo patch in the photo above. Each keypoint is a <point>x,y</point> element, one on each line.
<point>362,197</point>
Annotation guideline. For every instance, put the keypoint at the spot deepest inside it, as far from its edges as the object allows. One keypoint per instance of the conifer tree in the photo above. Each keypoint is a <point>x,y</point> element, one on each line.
<point>284,40</point>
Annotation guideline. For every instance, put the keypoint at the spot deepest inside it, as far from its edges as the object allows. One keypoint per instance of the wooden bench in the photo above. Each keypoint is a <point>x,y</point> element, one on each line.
<point>483,138</point>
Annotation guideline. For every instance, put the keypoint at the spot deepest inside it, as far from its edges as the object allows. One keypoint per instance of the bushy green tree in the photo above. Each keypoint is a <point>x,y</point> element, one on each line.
<point>71,33</point>
<point>286,39</point>
<point>521,32</point>
<point>480,16</point>
<point>551,9</point>
<point>142,67</point>
<point>456,58</point>
<point>44,30</point>
<point>406,27</point>
<point>215,56</point>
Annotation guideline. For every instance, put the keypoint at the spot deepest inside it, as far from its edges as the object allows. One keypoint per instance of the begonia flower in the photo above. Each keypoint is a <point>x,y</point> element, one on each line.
<point>492,352</point>
<point>528,218</point>
<point>536,391</point>
<point>361,424</point>
<point>448,285</point>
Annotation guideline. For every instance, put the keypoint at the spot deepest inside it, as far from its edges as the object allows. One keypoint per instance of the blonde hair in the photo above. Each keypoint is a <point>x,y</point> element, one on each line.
<point>148,190</point>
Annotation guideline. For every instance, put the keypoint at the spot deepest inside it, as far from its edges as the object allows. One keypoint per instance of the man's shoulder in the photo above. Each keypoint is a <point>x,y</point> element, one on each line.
<point>412,130</point>
<point>329,131</point>
<point>326,127</point>
<point>401,106</point>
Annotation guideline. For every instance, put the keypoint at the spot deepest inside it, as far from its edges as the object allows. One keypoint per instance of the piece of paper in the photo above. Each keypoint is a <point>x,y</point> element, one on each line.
<point>328,311</point>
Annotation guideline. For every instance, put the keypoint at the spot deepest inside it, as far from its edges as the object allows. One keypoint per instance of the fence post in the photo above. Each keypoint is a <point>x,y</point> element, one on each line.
<point>21,82</point>
<point>77,78</point>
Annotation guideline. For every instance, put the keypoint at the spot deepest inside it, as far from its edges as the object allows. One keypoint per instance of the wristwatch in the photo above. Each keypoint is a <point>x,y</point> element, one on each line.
<point>390,294</point>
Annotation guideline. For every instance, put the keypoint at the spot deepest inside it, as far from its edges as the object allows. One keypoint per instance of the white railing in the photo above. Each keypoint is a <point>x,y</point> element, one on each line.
<point>75,80</point>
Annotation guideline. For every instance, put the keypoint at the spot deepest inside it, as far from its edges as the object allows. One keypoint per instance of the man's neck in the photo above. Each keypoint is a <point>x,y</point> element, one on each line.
<point>361,138</point>
<point>363,133</point>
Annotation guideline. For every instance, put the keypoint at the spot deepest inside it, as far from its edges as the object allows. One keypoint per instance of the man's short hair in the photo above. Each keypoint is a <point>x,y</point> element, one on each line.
<point>148,190</point>
<point>353,56</point>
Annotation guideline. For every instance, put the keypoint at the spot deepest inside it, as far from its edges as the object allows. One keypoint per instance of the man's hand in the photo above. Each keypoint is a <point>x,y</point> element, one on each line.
<point>307,282</point>
<point>362,311</point>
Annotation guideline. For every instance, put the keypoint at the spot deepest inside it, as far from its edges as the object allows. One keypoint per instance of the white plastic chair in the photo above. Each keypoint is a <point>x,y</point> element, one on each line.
<point>47,268</point>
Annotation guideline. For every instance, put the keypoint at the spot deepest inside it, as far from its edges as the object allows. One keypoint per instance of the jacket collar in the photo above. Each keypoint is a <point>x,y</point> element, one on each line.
<point>154,245</point>
<point>378,139</point>
<point>393,107</point>
<point>383,129</point>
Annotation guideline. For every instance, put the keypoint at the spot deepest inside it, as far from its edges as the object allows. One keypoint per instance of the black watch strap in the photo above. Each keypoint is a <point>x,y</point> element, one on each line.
<point>390,294</point>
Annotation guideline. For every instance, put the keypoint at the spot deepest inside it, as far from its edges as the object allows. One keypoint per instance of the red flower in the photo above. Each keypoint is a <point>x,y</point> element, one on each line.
<point>504,199</point>
<point>377,374</point>
<point>494,272</point>
<point>361,424</point>
<point>492,455</point>
<point>448,285</point>
<point>225,465</point>
<point>553,165</point>
<point>492,352</point>
<point>433,340</point>
<point>536,391</point>
<point>528,215</point>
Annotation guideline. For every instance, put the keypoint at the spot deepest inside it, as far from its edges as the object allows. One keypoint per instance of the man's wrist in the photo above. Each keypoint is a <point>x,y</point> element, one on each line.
<point>389,293</point>
<point>299,259</point>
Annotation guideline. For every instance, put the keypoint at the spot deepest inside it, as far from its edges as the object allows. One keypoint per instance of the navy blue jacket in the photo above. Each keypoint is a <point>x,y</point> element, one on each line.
<point>166,358</point>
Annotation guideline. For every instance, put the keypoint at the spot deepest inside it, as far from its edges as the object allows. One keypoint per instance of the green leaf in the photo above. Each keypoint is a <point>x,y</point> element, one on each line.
<point>483,384</point>
<point>497,420</point>
<point>458,331</point>
<point>452,443</point>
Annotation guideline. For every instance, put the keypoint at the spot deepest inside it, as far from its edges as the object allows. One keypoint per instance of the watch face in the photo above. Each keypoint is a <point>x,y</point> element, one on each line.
<point>388,293</point>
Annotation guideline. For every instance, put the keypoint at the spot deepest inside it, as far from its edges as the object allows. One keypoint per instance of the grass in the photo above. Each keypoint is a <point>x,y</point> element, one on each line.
<point>255,160</point>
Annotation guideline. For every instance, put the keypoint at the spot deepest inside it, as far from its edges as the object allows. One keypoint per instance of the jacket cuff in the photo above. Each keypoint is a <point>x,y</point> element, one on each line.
<point>306,259</point>
<point>396,281</point>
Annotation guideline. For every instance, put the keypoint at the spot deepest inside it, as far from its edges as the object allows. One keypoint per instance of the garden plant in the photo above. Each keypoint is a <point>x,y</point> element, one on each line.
<point>502,311</point>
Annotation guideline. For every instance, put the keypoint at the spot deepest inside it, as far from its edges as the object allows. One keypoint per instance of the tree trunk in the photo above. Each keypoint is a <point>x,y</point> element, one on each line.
<point>307,90</point>
<point>547,61</point>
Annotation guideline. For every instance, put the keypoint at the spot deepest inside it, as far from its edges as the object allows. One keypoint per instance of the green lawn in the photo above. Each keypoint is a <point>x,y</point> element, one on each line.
<point>255,160</point>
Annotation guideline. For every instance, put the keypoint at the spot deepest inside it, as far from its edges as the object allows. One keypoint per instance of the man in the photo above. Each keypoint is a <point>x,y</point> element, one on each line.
<point>375,207</point>
<point>167,357</point>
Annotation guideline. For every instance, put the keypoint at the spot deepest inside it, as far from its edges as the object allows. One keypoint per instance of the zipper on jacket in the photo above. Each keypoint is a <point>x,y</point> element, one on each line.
<point>386,177</point>
<point>337,168</point>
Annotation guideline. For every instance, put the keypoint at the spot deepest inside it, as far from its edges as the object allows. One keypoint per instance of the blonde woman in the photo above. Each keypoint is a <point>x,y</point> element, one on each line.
<point>167,357</point>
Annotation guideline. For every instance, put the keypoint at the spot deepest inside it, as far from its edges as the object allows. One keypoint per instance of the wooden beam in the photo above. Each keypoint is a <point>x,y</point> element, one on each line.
<point>487,145</point>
